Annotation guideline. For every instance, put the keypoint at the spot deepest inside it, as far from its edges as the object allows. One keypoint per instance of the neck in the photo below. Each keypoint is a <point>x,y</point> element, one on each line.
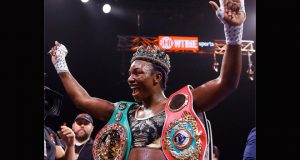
<point>79,143</point>
<point>156,101</point>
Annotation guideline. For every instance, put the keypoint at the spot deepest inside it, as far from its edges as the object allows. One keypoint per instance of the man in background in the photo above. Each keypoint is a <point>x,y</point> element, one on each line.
<point>53,147</point>
<point>83,128</point>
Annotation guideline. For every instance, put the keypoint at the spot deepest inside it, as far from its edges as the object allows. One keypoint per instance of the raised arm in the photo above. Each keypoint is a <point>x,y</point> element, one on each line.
<point>99,108</point>
<point>232,15</point>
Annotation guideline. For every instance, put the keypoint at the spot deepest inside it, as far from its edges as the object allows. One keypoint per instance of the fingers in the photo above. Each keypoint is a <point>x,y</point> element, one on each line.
<point>65,129</point>
<point>233,14</point>
<point>56,47</point>
<point>235,7</point>
<point>66,132</point>
<point>232,7</point>
<point>57,43</point>
<point>239,18</point>
<point>213,5</point>
<point>67,135</point>
<point>235,20</point>
<point>53,51</point>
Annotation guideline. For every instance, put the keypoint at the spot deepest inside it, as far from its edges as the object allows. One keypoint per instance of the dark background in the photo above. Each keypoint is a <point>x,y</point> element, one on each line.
<point>93,59</point>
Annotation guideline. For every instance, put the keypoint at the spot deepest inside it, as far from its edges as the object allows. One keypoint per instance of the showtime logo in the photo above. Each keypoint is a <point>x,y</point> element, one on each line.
<point>178,43</point>
<point>166,43</point>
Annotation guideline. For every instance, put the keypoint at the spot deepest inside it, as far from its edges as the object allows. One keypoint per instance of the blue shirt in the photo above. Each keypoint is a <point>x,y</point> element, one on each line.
<point>250,149</point>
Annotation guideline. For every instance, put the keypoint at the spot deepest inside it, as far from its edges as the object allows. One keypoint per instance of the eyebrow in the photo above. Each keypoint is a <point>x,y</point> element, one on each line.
<point>134,69</point>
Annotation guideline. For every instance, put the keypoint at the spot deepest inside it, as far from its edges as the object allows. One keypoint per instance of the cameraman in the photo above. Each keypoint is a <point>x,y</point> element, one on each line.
<point>53,149</point>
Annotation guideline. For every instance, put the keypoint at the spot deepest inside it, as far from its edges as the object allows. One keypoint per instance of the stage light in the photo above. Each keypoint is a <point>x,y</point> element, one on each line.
<point>84,1</point>
<point>106,8</point>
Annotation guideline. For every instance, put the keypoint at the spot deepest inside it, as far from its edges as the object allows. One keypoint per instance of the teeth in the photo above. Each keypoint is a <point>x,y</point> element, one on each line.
<point>134,90</point>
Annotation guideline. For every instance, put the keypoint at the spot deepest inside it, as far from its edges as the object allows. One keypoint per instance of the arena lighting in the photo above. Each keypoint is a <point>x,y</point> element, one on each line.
<point>179,44</point>
<point>106,8</point>
<point>84,1</point>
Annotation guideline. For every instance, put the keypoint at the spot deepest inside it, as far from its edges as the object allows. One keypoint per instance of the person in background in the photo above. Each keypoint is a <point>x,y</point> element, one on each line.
<point>53,147</point>
<point>148,75</point>
<point>83,128</point>
<point>250,149</point>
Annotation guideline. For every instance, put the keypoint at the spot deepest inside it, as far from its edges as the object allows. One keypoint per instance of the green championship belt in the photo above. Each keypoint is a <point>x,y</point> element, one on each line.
<point>113,141</point>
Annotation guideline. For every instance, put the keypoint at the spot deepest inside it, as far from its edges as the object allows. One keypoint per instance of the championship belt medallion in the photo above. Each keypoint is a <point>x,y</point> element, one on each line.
<point>184,135</point>
<point>113,141</point>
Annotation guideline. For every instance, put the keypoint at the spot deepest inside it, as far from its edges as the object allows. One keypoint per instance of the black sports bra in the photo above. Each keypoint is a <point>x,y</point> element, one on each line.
<point>146,131</point>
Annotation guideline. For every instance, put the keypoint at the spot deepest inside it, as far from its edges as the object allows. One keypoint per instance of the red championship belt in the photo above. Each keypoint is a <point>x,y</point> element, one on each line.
<point>184,135</point>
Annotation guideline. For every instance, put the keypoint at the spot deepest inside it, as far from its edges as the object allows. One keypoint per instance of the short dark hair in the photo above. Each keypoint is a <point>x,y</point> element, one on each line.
<point>164,73</point>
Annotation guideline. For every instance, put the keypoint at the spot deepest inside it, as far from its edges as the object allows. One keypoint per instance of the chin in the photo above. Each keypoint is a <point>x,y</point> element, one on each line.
<point>137,99</point>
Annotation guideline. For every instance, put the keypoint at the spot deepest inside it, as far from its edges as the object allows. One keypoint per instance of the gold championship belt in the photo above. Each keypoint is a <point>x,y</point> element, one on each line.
<point>113,141</point>
<point>184,135</point>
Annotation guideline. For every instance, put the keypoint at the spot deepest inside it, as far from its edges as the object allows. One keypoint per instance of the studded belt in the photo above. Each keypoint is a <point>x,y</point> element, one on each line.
<point>113,141</point>
<point>184,135</point>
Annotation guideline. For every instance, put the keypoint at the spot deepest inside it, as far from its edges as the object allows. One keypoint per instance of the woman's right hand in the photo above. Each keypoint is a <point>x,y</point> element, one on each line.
<point>99,108</point>
<point>58,50</point>
<point>58,55</point>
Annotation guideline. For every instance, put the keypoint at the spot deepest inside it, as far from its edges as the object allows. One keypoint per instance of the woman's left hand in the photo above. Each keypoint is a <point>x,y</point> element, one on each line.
<point>233,11</point>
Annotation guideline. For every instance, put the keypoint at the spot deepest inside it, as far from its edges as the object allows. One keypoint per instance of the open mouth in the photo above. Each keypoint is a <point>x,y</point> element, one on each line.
<point>135,91</point>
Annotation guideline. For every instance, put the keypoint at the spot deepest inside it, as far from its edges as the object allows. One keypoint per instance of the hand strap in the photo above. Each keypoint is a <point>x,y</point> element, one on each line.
<point>61,64</point>
<point>233,34</point>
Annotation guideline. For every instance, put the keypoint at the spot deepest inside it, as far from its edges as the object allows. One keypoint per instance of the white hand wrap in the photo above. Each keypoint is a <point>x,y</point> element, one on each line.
<point>61,64</point>
<point>233,34</point>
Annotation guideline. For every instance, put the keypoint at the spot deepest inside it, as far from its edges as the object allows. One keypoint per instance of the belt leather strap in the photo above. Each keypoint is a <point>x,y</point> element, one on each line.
<point>184,135</point>
<point>113,141</point>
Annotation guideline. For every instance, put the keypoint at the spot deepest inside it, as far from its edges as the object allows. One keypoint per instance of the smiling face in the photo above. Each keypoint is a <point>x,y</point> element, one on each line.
<point>141,79</point>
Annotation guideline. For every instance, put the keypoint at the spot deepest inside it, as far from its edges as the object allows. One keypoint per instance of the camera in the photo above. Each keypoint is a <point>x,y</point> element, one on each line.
<point>52,102</point>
